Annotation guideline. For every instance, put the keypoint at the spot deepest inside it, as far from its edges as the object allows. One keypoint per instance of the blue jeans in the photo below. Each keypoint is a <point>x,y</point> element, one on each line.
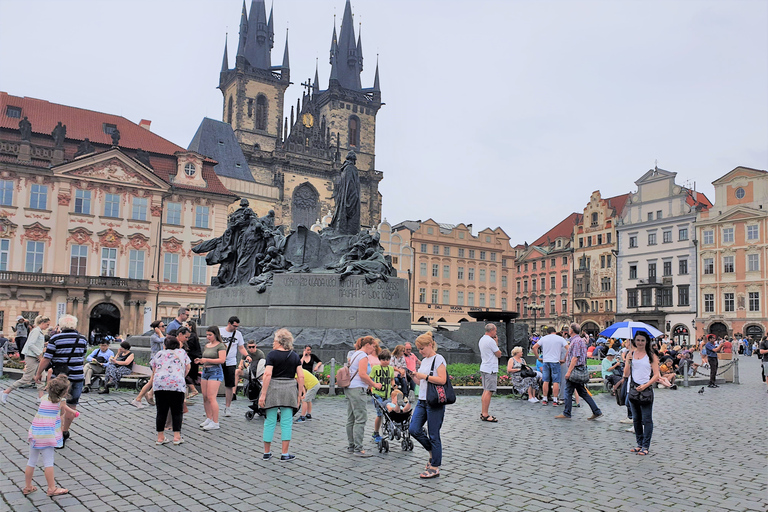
<point>433,417</point>
<point>75,389</point>
<point>551,370</point>
<point>286,424</point>
<point>570,387</point>
<point>642,416</point>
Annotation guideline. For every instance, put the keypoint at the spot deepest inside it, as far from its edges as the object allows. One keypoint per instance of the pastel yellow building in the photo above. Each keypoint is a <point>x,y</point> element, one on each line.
<point>98,216</point>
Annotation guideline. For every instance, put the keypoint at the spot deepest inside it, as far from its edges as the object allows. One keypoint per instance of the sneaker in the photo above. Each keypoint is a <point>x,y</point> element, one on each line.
<point>227,412</point>
<point>627,421</point>
<point>287,457</point>
<point>533,400</point>
<point>556,403</point>
<point>595,416</point>
<point>350,449</point>
<point>211,426</point>
<point>206,422</point>
<point>662,386</point>
<point>137,405</point>
<point>377,439</point>
<point>308,417</point>
<point>266,456</point>
<point>631,429</point>
<point>562,417</point>
<point>544,402</point>
<point>301,419</point>
<point>576,405</point>
<point>4,398</point>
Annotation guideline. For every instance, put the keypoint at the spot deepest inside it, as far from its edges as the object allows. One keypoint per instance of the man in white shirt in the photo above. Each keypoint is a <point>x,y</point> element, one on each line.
<point>235,343</point>
<point>489,368</point>
<point>549,350</point>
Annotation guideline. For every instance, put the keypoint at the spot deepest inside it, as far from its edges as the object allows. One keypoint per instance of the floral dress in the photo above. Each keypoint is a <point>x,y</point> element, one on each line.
<point>116,372</point>
<point>45,431</point>
<point>520,384</point>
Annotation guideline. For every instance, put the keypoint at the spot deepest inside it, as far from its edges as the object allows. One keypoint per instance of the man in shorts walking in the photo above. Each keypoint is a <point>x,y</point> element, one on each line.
<point>489,369</point>
<point>233,339</point>
<point>550,347</point>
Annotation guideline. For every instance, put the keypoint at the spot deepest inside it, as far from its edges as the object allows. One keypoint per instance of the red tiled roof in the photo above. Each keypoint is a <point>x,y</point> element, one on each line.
<point>562,229</point>
<point>701,198</point>
<point>618,203</point>
<point>81,124</point>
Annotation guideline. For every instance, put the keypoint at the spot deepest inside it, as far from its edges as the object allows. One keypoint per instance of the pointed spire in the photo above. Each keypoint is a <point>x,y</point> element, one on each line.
<point>334,42</point>
<point>316,84</point>
<point>376,86</point>
<point>360,45</point>
<point>348,60</point>
<point>260,39</point>
<point>270,26</point>
<point>243,32</point>
<point>225,60</point>
<point>285,53</point>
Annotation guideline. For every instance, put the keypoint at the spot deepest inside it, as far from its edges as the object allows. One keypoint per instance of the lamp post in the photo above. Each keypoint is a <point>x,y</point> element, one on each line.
<point>535,308</point>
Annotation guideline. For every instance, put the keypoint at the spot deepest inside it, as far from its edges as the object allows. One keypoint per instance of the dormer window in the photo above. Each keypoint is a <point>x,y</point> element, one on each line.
<point>14,112</point>
<point>109,129</point>
<point>189,170</point>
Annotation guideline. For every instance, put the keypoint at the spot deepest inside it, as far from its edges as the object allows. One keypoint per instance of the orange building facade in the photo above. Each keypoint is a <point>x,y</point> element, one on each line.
<point>454,271</point>
<point>733,281</point>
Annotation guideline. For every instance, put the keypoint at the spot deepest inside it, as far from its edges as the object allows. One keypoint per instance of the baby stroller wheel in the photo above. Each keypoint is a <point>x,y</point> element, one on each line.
<point>404,445</point>
<point>410,445</point>
<point>385,444</point>
<point>249,415</point>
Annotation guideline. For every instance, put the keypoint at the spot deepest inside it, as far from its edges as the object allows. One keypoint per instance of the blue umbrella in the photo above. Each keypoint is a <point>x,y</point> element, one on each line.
<point>627,330</point>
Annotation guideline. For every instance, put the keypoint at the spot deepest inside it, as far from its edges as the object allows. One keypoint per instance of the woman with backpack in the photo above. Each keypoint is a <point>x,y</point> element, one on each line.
<point>357,395</point>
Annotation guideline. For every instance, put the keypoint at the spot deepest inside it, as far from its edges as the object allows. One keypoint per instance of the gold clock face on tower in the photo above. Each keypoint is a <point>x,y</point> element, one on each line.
<point>308,120</point>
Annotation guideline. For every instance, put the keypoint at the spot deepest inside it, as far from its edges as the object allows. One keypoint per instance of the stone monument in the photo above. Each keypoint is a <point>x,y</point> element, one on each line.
<point>336,279</point>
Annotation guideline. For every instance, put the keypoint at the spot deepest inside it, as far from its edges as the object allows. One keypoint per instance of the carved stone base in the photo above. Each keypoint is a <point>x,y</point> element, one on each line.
<point>314,300</point>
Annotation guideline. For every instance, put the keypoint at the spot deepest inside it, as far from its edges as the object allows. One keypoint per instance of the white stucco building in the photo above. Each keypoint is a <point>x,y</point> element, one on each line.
<point>656,261</point>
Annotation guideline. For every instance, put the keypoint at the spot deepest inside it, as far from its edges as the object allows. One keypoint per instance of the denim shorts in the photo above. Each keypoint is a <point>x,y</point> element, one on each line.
<point>551,370</point>
<point>383,403</point>
<point>213,373</point>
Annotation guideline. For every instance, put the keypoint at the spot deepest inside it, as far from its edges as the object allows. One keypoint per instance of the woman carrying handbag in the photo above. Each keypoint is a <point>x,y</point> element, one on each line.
<point>433,370</point>
<point>642,372</point>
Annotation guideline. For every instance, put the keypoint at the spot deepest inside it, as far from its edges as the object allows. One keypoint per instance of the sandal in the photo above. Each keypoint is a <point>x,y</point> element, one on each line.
<point>489,418</point>
<point>644,451</point>
<point>58,491</point>
<point>430,473</point>
<point>27,491</point>
<point>635,450</point>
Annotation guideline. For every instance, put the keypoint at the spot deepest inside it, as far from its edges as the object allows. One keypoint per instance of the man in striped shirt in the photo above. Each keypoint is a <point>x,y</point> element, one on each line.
<point>65,353</point>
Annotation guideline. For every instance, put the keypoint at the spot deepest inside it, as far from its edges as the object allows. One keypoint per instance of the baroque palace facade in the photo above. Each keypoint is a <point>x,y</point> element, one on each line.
<point>98,216</point>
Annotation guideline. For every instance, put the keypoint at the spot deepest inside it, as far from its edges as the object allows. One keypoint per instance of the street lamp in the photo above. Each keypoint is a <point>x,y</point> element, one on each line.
<point>535,308</point>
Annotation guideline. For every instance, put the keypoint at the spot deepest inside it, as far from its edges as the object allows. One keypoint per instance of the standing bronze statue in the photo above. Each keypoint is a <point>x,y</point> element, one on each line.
<point>346,195</point>
<point>58,134</point>
<point>25,128</point>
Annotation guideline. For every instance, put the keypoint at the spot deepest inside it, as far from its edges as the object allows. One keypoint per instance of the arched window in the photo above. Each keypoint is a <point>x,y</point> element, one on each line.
<point>261,112</point>
<point>229,110</point>
<point>354,131</point>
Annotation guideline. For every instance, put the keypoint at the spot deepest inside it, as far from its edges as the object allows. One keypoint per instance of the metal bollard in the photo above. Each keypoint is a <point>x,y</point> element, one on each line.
<point>736,370</point>
<point>332,381</point>
<point>685,373</point>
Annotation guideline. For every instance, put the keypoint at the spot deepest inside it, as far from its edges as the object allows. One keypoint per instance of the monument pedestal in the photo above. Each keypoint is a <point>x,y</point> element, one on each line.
<point>313,300</point>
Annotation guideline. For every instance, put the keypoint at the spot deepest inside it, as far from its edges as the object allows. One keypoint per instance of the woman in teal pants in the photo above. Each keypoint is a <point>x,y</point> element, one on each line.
<point>282,391</point>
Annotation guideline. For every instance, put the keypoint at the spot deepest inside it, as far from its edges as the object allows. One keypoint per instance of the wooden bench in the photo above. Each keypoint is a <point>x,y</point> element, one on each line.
<point>596,380</point>
<point>138,377</point>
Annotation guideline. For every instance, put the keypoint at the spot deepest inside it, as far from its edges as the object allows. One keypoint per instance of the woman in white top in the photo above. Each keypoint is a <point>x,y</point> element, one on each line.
<point>644,372</point>
<point>433,369</point>
<point>357,395</point>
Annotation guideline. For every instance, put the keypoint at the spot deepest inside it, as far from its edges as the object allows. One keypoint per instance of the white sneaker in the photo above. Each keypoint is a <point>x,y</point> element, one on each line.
<point>631,429</point>
<point>626,420</point>
<point>211,426</point>
<point>4,397</point>
<point>227,412</point>
<point>205,423</point>
<point>662,386</point>
<point>533,400</point>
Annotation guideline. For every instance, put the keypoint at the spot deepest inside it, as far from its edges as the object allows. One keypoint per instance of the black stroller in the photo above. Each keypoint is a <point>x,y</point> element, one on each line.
<point>395,426</point>
<point>252,389</point>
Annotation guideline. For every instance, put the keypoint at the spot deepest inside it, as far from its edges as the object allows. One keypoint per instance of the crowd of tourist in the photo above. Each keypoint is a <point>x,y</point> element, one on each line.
<point>58,362</point>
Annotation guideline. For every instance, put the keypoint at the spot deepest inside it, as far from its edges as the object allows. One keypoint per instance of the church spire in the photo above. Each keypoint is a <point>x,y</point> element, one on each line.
<point>285,65</point>
<point>376,87</point>
<point>243,33</point>
<point>225,60</point>
<point>360,45</point>
<point>261,37</point>
<point>316,84</point>
<point>334,42</point>
<point>348,60</point>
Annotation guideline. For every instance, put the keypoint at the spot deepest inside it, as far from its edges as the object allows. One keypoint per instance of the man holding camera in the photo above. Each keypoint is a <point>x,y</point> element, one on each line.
<point>96,363</point>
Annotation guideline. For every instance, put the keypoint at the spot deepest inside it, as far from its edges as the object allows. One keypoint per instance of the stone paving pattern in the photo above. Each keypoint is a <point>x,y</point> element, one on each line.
<point>708,454</point>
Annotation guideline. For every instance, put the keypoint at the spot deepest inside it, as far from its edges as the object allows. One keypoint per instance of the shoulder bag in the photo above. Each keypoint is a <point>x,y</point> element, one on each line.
<point>526,371</point>
<point>439,395</point>
<point>63,368</point>
<point>643,397</point>
<point>579,374</point>
<point>621,394</point>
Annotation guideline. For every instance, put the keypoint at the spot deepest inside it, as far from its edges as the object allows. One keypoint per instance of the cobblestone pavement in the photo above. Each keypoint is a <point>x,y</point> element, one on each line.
<point>708,453</point>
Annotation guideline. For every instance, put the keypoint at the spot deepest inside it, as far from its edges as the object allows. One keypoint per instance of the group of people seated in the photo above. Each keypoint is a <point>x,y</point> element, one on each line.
<point>103,361</point>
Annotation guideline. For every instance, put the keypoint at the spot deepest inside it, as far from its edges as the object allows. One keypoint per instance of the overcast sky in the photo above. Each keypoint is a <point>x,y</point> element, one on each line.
<point>498,113</point>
